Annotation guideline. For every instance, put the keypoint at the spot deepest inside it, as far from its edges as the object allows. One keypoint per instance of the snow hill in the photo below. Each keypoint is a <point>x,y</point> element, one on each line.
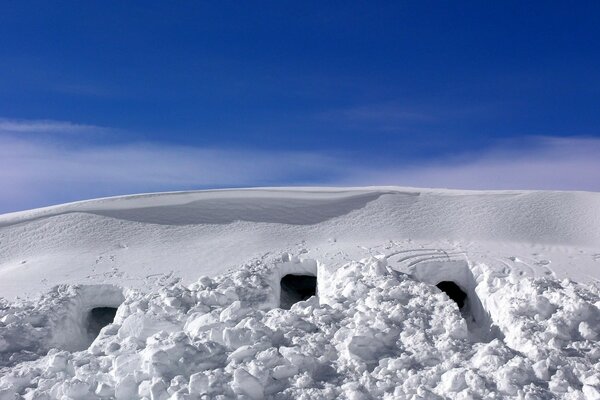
<point>305,293</point>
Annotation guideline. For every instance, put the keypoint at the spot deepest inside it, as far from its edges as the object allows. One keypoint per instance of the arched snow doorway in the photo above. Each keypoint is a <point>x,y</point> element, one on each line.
<point>88,309</point>
<point>456,279</point>
<point>294,280</point>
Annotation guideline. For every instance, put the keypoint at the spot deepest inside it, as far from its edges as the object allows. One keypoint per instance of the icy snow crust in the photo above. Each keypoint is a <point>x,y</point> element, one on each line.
<point>372,332</point>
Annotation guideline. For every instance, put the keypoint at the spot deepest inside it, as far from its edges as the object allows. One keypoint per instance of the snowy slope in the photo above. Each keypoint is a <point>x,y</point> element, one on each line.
<point>202,311</point>
<point>131,240</point>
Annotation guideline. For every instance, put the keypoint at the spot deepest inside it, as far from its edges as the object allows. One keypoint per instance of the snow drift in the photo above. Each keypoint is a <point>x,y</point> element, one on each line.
<point>136,237</point>
<point>303,294</point>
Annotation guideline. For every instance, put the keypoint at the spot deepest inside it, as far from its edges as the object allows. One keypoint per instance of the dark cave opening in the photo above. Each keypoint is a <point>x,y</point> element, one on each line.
<point>98,318</point>
<point>295,288</point>
<point>454,292</point>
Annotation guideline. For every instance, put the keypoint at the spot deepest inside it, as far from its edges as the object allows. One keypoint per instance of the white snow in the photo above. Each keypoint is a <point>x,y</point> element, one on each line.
<point>196,280</point>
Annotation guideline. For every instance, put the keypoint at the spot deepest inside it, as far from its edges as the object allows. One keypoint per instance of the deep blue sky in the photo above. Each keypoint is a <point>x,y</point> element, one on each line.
<point>390,84</point>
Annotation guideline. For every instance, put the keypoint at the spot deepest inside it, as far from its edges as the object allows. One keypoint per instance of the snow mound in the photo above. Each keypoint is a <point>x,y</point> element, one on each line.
<point>133,238</point>
<point>372,332</point>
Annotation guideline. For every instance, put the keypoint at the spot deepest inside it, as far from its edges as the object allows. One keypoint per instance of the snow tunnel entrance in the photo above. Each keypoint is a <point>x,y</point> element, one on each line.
<point>295,288</point>
<point>86,309</point>
<point>456,279</point>
<point>454,292</point>
<point>98,318</point>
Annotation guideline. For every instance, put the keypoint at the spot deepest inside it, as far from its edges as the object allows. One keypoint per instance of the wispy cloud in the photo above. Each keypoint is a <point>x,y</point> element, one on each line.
<point>544,163</point>
<point>86,89</point>
<point>377,117</point>
<point>37,170</point>
<point>393,116</point>
<point>46,126</point>
<point>383,113</point>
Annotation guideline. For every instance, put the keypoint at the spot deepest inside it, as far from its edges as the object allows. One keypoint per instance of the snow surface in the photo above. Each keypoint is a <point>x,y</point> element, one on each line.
<point>196,280</point>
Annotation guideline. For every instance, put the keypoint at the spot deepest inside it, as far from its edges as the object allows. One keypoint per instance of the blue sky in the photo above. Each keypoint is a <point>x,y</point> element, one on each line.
<point>102,98</point>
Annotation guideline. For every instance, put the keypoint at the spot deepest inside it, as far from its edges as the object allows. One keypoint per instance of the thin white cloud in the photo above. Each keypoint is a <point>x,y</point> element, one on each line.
<point>539,163</point>
<point>45,126</point>
<point>37,170</point>
<point>396,117</point>
<point>378,117</point>
<point>383,113</point>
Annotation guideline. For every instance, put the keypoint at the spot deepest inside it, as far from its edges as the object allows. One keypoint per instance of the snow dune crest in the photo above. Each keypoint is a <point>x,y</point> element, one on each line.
<point>501,215</point>
<point>137,237</point>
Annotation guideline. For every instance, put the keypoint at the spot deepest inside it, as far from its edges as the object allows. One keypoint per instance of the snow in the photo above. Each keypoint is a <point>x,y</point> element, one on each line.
<point>135,239</point>
<point>196,278</point>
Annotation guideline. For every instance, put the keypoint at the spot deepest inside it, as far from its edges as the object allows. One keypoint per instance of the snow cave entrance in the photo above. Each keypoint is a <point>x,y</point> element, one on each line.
<point>454,292</point>
<point>295,288</point>
<point>98,318</point>
<point>84,315</point>
<point>457,281</point>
